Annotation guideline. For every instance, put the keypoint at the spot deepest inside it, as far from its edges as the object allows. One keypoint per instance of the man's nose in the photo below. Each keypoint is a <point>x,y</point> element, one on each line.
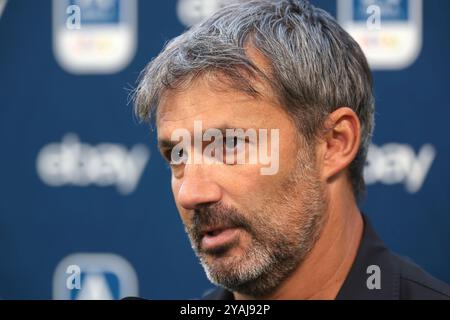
<point>197,188</point>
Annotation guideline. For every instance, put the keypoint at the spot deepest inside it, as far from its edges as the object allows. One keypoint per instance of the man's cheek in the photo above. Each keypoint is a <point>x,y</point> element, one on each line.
<point>175,185</point>
<point>181,211</point>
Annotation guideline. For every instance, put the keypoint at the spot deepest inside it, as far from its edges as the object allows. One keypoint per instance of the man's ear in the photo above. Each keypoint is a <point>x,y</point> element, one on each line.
<point>340,141</point>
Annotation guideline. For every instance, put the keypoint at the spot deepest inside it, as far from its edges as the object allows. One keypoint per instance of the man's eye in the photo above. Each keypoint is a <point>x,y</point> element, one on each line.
<point>233,146</point>
<point>168,155</point>
<point>231,143</point>
<point>177,156</point>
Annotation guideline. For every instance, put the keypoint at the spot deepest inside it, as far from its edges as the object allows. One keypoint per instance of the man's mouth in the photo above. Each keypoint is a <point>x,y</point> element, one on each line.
<point>216,237</point>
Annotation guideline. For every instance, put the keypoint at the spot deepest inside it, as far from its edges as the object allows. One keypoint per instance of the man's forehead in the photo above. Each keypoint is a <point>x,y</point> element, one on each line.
<point>184,106</point>
<point>203,103</point>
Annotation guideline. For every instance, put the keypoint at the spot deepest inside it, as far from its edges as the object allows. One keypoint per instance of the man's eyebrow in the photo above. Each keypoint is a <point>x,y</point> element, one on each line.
<point>168,144</point>
<point>165,144</point>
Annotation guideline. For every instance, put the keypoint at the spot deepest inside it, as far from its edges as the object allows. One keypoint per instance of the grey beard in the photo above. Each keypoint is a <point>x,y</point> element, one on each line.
<point>262,270</point>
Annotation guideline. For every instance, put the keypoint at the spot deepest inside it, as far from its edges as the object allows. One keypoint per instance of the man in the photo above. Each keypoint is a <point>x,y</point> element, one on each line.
<point>294,232</point>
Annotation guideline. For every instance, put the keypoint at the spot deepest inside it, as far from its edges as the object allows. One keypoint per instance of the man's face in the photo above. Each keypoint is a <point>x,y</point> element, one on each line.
<point>249,230</point>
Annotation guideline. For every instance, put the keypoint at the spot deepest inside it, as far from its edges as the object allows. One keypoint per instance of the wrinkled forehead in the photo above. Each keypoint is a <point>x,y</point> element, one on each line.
<point>215,109</point>
<point>221,110</point>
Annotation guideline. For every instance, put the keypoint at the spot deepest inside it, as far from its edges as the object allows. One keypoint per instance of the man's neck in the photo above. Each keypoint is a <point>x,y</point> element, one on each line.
<point>323,272</point>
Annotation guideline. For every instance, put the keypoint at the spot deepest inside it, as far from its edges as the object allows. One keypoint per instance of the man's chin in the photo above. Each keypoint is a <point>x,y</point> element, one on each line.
<point>223,269</point>
<point>234,272</point>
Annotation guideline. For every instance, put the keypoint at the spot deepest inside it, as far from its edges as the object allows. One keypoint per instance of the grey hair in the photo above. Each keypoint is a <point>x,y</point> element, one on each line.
<point>315,66</point>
